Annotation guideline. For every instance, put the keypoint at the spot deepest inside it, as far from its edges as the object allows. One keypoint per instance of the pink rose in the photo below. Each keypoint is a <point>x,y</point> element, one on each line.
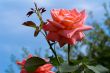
<point>67,26</point>
<point>46,68</point>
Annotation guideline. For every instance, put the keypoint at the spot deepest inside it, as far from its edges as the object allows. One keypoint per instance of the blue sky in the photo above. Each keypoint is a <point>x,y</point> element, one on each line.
<point>14,36</point>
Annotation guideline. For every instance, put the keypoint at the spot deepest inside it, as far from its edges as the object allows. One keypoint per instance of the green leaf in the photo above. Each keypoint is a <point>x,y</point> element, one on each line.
<point>36,31</point>
<point>107,21</point>
<point>67,68</point>
<point>54,62</point>
<point>101,68</point>
<point>33,63</point>
<point>93,69</point>
<point>74,62</point>
<point>98,68</point>
<point>30,24</point>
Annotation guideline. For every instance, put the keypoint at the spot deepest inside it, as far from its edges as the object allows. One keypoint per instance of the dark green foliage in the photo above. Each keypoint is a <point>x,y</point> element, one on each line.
<point>54,62</point>
<point>33,63</point>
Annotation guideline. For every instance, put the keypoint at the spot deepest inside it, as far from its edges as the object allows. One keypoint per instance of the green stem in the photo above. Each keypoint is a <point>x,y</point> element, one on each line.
<point>54,52</point>
<point>69,47</point>
<point>42,22</point>
<point>69,50</point>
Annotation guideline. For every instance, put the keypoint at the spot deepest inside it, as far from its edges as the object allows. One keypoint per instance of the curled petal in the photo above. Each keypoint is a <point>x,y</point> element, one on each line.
<point>55,24</point>
<point>63,12</point>
<point>83,15</point>
<point>67,23</point>
<point>74,13</point>
<point>21,63</point>
<point>70,33</point>
<point>79,36</point>
<point>55,16</point>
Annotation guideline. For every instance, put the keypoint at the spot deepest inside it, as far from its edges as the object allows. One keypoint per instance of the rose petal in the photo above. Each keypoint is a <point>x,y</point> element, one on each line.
<point>50,72</point>
<point>57,25</point>
<point>67,23</point>
<point>23,71</point>
<point>49,27</point>
<point>63,12</point>
<point>55,16</point>
<point>62,41</point>
<point>81,35</point>
<point>70,33</point>
<point>78,36</point>
<point>74,12</point>
<point>72,41</point>
<point>44,68</point>
<point>83,15</point>
<point>52,36</point>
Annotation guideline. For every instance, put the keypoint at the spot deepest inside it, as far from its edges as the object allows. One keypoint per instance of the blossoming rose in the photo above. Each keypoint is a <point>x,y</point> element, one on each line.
<point>42,69</point>
<point>67,26</point>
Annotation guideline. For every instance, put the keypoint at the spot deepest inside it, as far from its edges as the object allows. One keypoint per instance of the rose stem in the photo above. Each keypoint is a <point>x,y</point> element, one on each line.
<point>41,20</point>
<point>69,50</point>
<point>69,47</point>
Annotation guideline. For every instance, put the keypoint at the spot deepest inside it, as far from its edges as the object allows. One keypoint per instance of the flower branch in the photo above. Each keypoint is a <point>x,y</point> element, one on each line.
<point>41,24</point>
